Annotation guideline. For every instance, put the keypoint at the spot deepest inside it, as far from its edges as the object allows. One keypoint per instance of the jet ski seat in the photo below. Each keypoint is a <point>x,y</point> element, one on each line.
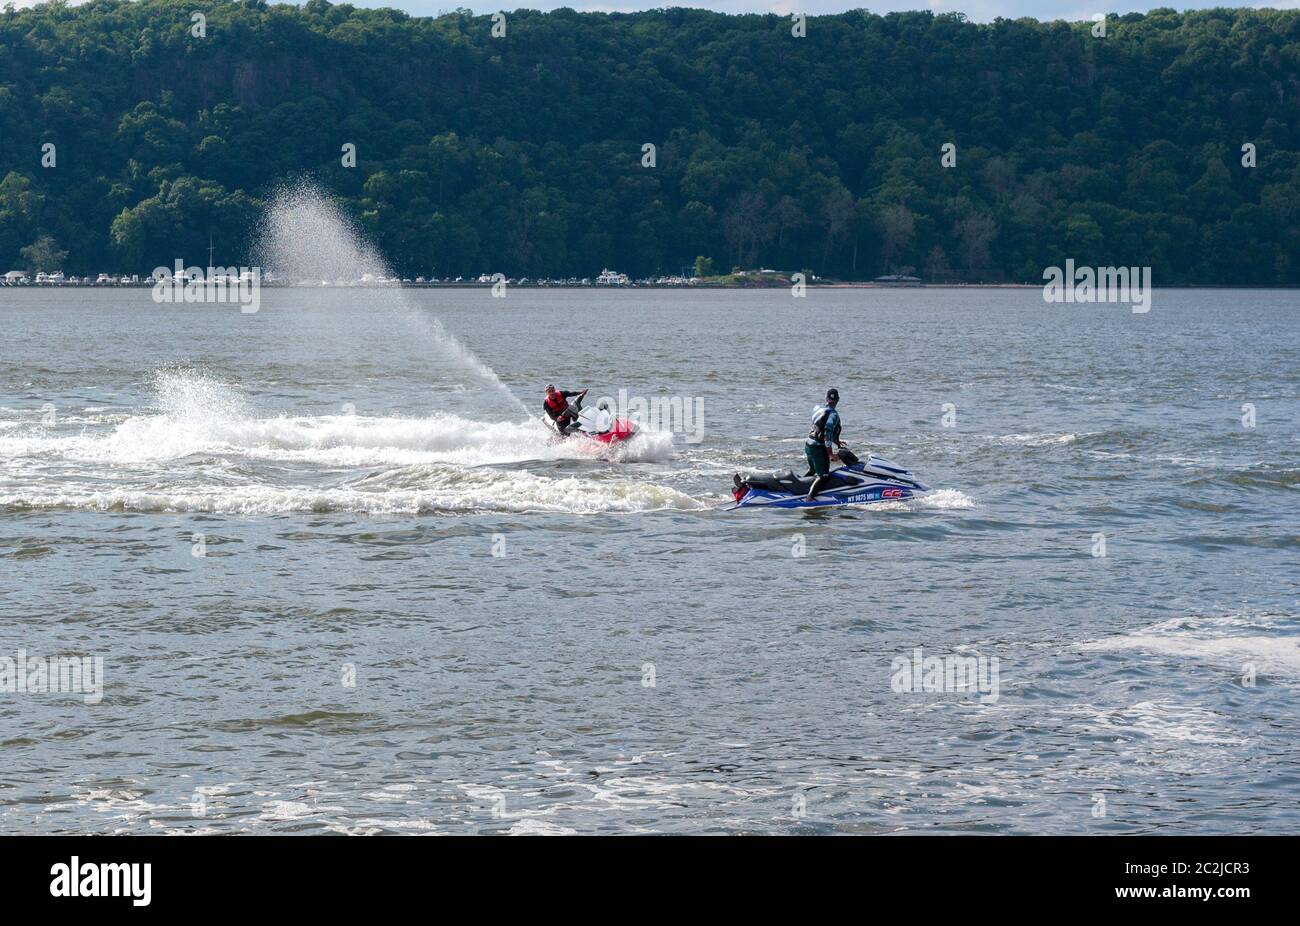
<point>776,482</point>
<point>787,481</point>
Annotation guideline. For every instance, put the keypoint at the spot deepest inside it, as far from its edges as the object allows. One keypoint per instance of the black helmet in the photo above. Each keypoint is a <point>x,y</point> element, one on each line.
<point>832,396</point>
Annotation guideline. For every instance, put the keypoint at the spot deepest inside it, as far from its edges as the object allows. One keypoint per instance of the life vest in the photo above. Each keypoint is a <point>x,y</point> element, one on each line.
<point>556,404</point>
<point>824,416</point>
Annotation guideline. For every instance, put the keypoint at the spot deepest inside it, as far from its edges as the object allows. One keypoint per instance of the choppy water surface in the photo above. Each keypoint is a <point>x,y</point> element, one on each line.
<point>638,660</point>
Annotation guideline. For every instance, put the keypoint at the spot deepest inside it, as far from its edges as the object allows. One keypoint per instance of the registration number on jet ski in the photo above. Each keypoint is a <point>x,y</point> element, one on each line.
<point>872,496</point>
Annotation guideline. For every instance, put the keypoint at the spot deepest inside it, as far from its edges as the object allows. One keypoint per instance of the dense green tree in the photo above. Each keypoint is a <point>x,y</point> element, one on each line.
<point>525,154</point>
<point>43,255</point>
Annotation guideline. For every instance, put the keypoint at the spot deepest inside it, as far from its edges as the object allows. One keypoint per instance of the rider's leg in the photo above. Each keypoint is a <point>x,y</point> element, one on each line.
<point>820,462</point>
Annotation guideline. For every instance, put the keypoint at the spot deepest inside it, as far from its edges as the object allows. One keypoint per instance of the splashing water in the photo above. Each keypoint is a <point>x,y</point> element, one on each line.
<point>305,238</point>
<point>207,446</point>
<point>203,415</point>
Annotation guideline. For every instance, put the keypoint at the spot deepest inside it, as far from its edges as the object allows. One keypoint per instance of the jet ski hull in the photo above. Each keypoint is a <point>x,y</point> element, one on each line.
<point>858,483</point>
<point>864,495</point>
<point>621,430</point>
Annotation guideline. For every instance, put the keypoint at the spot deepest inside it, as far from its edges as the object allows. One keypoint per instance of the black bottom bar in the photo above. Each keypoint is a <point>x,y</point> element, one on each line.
<point>336,874</point>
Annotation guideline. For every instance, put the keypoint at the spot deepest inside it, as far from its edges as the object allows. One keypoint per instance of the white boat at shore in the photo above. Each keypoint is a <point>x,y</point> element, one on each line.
<point>612,278</point>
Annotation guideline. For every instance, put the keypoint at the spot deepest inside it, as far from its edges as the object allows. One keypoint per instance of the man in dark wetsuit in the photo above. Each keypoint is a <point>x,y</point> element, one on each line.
<point>822,441</point>
<point>558,410</point>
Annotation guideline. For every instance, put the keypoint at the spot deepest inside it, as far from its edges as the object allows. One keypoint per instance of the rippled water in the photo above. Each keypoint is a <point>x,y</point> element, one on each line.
<point>637,659</point>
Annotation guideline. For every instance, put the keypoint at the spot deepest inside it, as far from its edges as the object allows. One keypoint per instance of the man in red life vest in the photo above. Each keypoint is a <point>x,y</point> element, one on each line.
<point>558,409</point>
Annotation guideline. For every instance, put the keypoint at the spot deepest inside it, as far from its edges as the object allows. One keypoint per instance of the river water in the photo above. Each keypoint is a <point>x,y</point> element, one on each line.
<point>340,580</point>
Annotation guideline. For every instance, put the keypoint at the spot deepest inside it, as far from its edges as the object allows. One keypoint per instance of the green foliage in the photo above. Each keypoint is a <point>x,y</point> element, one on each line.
<point>523,154</point>
<point>43,255</point>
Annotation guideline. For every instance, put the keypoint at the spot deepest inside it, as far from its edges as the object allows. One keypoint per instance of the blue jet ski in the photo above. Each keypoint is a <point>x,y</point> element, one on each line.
<point>854,483</point>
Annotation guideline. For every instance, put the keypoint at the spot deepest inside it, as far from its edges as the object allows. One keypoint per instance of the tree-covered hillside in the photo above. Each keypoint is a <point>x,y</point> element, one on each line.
<point>524,153</point>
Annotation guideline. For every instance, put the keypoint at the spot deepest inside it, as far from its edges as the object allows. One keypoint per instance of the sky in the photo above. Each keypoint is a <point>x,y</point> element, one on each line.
<point>979,10</point>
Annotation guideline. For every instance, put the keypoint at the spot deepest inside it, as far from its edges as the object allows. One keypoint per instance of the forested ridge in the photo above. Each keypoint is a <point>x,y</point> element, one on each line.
<point>524,153</point>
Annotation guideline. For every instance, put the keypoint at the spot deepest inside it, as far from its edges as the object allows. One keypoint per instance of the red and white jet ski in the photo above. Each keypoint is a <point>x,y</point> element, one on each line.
<point>599,425</point>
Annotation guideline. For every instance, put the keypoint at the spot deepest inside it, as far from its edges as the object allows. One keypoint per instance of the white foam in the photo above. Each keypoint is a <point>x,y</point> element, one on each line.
<point>943,498</point>
<point>530,826</point>
<point>200,415</point>
<point>484,491</point>
<point>1038,440</point>
<point>279,811</point>
<point>1229,641</point>
<point>404,465</point>
<point>1161,720</point>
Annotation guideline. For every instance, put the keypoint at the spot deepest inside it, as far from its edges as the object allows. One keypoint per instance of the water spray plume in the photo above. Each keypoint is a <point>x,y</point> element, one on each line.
<point>306,238</point>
